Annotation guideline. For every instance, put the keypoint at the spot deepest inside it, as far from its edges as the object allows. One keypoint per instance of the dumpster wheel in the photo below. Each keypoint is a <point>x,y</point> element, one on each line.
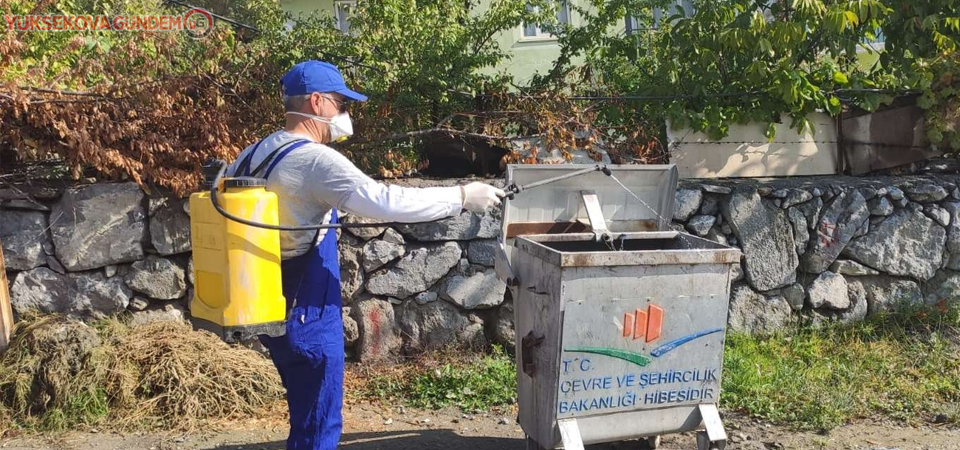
<point>653,442</point>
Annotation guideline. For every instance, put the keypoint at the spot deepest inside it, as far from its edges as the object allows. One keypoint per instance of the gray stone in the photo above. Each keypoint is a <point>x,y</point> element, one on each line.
<point>700,225</point>
<point>926,192</point>
<point>953,263</point>
<point>780,193</point>
<point>881,206</point>
<point>955,194</point>
<point>426,297</point>
<point>816,192</point>
<point>171,312</point>
<point>714,189</point>
<point>895,193</point>
<point>855,313</point>
<point>765,191</point>
<point>438,325</point>
<point>55,265</point>
<point>170,228</point>
<point>717,237</point>
<point>687,202</point>
<point>755,313</point>
<point>351,273</point>
<point>110,270</point>
<point>465,227</point>
<point>884,293</point>
<point>13,199</point>
<point>725,228</point>
<point>795,295</point>
<point>365,233</point>
<point>87,294</point>
<point>937,213</point>
<point>953,229</point>
<point>737,272</point>
<point>157,278</point>
<point>853,268</point>
<point>394,301</point>
<point>801,233</point>
<point>907,243</point>
<point>839,222</point>
<point>482,252</point>
<point>719,219</point>
<point>882,191</point>
<point>811,211</point>
<point>503,329</point>
<point>419,269</point>
<point>829,290</point>
<point>48,248</point>
<point>97,225</point>
<point>463,267</point>
<point>796,197</point>
<point>377,339</point>
<point>351,331</point>
<point>778,203</point>
<point>138,304</point>
<point>710,205</point>
<point>770,256</point>
<point>191,277</point>
<point>479,291</point>
<point>863,230</point>
<point>379,252</point>
<point>902,202</point>
<point>867,192</point>
<point>23,234</point>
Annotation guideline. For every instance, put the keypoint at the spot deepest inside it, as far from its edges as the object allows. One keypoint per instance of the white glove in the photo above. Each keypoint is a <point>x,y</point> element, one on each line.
<point>477,197</point>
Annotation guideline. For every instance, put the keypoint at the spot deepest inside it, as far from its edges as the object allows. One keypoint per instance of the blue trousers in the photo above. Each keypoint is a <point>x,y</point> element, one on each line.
<point>310,356</point>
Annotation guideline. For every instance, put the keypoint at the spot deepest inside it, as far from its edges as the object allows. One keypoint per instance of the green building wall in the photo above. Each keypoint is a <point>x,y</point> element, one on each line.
<point>528,56</point>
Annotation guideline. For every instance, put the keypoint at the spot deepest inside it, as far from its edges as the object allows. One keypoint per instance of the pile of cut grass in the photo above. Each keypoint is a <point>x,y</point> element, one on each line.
<point>61,374</point>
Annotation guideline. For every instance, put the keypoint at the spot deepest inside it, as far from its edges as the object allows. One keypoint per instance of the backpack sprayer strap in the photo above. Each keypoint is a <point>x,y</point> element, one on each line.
<point>271,158</point>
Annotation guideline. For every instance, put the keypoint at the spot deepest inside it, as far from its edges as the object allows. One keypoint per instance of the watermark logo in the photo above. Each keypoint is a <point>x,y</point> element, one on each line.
<point>197,23</point>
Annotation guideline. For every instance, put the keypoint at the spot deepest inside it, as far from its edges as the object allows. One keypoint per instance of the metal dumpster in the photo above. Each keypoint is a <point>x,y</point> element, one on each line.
<point>619,319</point>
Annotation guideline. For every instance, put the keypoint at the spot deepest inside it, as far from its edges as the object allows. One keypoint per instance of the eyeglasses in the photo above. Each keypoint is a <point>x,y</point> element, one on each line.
<point>341,104</point>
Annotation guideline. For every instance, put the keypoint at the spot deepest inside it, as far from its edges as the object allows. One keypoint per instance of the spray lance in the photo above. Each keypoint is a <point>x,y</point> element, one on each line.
<point>220,167</point>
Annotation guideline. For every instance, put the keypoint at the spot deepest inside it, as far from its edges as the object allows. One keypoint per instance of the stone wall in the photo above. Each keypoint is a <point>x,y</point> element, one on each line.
<point>815,250</point>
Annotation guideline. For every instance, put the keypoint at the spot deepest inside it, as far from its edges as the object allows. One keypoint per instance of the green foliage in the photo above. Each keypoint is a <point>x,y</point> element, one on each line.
<point>905,366</point>
<point>744,61</point>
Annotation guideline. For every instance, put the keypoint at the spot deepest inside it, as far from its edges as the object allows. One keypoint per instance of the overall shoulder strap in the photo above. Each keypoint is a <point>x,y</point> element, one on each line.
<point>256,171</point>
<point>275,158</point>
<point>244,168</point>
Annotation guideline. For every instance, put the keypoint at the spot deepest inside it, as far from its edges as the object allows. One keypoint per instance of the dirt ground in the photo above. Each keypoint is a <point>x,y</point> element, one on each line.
<point>376,427</point>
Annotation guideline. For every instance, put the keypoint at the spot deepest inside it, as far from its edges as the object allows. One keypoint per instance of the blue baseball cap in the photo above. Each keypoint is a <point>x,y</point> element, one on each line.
<point>317,76</point>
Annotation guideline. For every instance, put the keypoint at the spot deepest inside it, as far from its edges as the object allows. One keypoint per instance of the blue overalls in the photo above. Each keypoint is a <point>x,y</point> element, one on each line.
<point>310,356</point>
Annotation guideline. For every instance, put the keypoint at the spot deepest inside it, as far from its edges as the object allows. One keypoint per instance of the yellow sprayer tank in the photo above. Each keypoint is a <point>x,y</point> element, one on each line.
<point>238,292</point>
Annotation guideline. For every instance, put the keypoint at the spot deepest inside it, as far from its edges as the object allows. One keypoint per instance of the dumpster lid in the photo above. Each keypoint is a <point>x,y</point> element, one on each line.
<point>558,207</point>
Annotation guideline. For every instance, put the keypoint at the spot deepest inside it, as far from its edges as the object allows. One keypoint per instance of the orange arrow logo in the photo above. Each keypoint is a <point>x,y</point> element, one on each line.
<point>642,323</point>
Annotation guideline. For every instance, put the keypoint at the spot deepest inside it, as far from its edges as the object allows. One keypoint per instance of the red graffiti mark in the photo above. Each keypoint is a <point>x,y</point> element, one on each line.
<point>826,234</point>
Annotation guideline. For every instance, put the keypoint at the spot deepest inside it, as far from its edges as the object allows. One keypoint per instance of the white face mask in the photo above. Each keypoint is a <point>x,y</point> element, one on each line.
<point>340,125</point>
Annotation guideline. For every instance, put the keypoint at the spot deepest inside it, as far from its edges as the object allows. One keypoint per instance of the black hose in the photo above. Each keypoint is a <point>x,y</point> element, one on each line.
<point>224,213</point>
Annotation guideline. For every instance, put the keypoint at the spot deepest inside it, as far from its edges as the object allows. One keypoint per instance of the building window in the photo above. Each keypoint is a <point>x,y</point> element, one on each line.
<point>632,25</point>
<point>532,30</point>
<point>343,10</point>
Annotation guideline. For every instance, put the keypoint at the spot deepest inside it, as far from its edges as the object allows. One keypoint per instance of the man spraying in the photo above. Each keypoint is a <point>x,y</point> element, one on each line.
<point>313,182</point>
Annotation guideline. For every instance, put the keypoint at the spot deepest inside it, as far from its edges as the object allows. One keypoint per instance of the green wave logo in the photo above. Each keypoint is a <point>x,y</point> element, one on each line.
<point>631,357</point>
